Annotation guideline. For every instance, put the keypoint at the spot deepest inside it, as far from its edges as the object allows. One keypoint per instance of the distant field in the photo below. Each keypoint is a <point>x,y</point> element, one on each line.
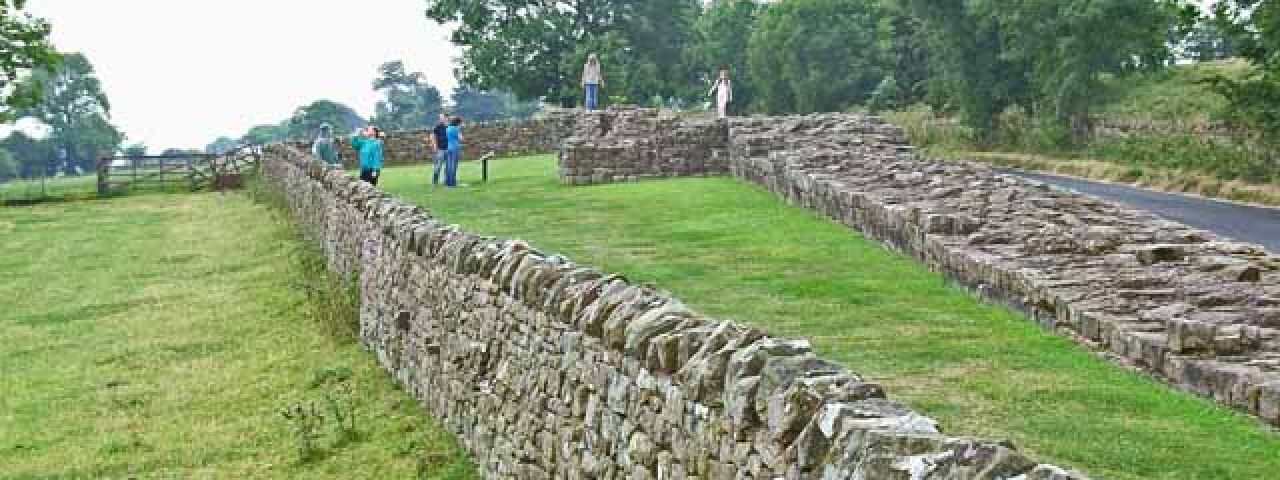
<point>735,251</point>
<point>58,187</point>
<point>161,336</point>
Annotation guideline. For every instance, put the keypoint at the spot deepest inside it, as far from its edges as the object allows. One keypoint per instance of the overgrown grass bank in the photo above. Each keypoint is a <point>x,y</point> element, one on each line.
<point>165,336</point>
<point>1162,130</point>
<point>735,251</point>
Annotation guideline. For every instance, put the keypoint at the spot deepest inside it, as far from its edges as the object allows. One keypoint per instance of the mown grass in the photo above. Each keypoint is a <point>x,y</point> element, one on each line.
<point>735,251</point>
<point>162,336</point>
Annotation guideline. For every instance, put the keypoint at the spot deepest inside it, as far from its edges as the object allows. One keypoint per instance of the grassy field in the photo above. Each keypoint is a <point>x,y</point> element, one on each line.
<point>162,336</point>
<point>61,187</point>
<point>735,251</point>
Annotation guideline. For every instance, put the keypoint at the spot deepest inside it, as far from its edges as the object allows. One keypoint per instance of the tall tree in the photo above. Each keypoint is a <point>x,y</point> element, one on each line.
<point>264,134</point>
<point>135,150</point>
<point>34,156</point>
<point>535,48</point>
<point>76,110</point>
<point>24,46</point>
<point>1045,55</point>
<point>1254,25</point>
<point>307,119</point>
<point>221,145</point>
<point>819,55</point>
<point>409,103</point>
<point>477,105</point>
<point>723,38</point>
<point>8,166</point>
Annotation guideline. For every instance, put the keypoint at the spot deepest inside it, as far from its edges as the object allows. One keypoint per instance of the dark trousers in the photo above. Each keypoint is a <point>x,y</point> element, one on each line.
<point>370,175</point>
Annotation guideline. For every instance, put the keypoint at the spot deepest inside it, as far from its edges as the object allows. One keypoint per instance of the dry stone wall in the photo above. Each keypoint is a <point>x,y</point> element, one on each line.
<point>629,144</point>
<point>547,369</point>
<point>524,137</point>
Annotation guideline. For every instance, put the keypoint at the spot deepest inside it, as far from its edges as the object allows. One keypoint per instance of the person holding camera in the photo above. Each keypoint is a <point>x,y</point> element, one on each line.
<point>368,144</point>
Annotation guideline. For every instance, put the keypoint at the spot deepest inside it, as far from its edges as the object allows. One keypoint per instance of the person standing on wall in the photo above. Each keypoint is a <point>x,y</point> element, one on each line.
<point>440,139</point>
<point>454,134</point>
<point>592,81</point>
<point>368,143</point>
<point>723,92</point>
<point>323,147</point>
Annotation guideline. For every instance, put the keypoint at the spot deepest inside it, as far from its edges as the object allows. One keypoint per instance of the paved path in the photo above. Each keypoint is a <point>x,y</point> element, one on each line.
<point>1240,222</point>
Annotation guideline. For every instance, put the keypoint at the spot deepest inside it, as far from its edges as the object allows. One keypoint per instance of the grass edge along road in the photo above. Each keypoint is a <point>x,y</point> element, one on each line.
<point>162,336</point>
<point>735,251</point>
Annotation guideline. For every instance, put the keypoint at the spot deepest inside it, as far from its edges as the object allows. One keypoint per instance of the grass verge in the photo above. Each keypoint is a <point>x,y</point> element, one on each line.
<point>735,251</point>
<point>165,336</point>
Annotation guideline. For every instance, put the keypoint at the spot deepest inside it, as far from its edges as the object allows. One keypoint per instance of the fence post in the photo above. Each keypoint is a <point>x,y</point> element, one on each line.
<point>103,165</point>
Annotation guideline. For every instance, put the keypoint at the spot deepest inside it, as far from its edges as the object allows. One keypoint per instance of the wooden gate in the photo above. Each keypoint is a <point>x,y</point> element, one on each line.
<point>182,172</point>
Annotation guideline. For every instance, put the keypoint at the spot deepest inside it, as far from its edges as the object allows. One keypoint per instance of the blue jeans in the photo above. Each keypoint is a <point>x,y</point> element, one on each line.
<point>593,91</point>
<point>441,157</point>
<point>451,166</point>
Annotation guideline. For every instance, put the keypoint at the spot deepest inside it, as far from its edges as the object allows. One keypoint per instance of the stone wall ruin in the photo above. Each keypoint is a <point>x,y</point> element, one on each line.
<point>1194,309</point>
<point>547,369</point>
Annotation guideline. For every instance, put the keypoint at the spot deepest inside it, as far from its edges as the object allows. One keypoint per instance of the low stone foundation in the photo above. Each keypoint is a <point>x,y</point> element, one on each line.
<point>551,370</point>
<point>620,145</point>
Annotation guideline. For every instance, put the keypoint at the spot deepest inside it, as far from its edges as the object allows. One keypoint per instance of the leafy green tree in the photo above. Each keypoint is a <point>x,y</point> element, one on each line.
<point>722,43</point>
<point>819,55</point>
<point>8,166</point>
<point>480,106</point>
<point>264,134</point>
<point>33,156</point>
<point>307,119</point>
<point>410,103</point>
<point>24,46</point>
<point>1069,45</point>
<point>221,145</point>
<point>76,110</point>
<point>536,48</point>
<point>1045,55</point>
<point>1254,25</point>
<point>135,150</point>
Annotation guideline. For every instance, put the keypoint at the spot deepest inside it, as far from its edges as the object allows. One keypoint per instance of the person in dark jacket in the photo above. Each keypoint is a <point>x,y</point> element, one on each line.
<point>440,138</point>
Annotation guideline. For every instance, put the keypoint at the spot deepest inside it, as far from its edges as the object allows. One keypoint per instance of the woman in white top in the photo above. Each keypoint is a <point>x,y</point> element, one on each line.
<point>723,91</point>
<point>592,80</point>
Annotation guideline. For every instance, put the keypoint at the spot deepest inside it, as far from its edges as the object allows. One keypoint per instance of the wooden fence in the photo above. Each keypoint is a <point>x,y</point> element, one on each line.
<point>183,172</point>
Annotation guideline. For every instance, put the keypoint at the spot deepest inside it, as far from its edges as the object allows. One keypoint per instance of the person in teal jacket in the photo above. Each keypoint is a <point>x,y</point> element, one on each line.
<point>368,143</point>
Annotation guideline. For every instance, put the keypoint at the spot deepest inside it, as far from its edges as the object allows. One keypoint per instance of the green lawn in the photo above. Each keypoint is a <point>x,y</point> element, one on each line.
<point>160,336</point>
<point>734,251</point>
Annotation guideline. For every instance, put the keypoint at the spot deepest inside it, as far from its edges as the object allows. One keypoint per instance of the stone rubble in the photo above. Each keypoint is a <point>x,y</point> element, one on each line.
<point>551,370</point>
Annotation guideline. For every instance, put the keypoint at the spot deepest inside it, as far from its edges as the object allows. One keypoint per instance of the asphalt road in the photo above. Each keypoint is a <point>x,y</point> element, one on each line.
<point>1244,223</point>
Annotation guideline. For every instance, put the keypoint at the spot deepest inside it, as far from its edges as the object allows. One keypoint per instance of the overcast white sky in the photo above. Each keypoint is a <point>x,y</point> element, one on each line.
<point>180,73</point>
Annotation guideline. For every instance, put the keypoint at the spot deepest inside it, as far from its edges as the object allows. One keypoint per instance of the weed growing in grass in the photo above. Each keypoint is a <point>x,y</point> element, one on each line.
<point>332,415</point>
<point>306,423</point>
<point>333,302</point>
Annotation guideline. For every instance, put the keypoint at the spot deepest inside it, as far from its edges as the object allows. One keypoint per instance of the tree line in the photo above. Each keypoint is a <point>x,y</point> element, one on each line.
<point>408,102</point>
<point>974,59</point>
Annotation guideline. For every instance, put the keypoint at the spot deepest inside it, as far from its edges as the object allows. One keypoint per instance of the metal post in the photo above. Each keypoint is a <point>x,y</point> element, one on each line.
<point>484,169</point>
